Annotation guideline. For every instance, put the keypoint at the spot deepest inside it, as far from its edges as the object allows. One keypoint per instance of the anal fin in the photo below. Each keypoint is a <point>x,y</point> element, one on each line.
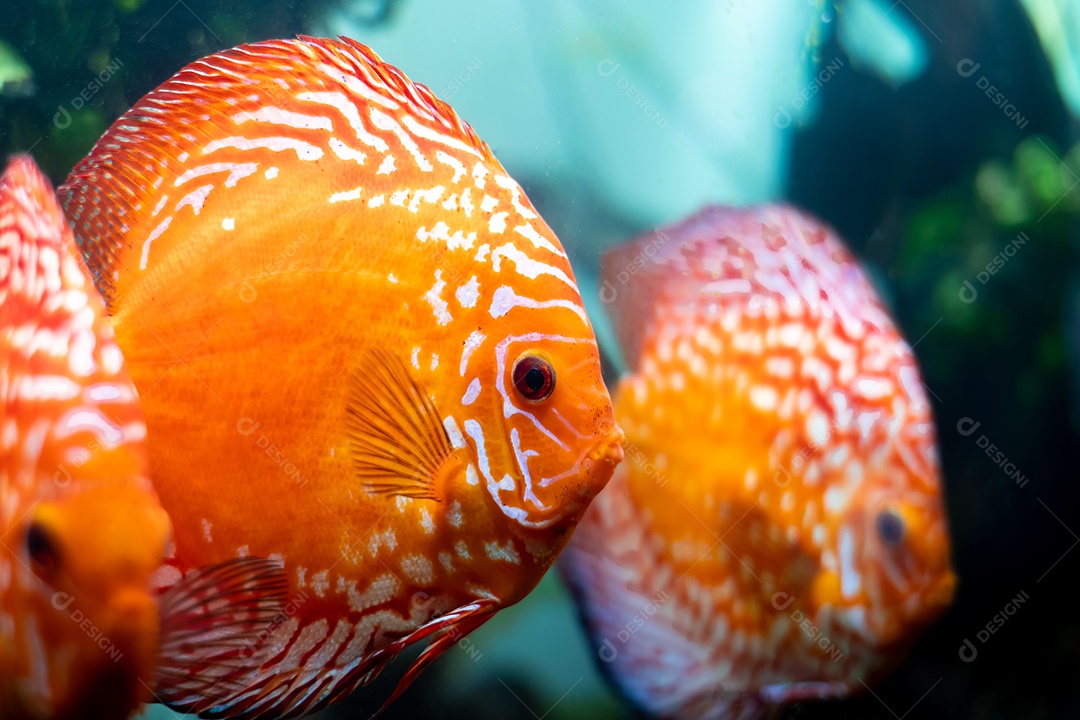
<point>302,691</point>
<point>211,625</point>
<point>447,629</point>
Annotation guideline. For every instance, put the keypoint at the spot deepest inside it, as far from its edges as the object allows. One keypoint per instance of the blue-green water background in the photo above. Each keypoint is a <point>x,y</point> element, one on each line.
<point>930,133</point>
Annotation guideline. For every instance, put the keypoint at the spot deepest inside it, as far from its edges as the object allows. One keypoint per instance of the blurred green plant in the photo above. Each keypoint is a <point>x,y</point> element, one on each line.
<point>1038,181</point>
<point>16,77</point>
<point>1023,205</point>
<point>992,259</point>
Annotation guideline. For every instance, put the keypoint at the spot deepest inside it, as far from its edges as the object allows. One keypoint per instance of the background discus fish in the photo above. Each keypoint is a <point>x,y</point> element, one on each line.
<point>777,531</point>
<point>360,351</point>
<point>84,629</point>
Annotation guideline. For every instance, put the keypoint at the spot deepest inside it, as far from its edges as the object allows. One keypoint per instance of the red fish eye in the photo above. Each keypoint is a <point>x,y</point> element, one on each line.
<point>534,378</point>
<point>41,548</point>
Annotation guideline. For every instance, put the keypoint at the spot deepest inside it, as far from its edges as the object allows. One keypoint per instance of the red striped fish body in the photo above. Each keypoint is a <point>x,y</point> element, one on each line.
<point>777,530</point>
<point>360,351</point>
<point>81,528</point>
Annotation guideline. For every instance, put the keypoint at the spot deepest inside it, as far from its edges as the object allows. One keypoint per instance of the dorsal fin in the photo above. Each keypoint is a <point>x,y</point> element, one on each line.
<point>658,272</point>
<point>31,222</point>
<point>289,89</point>
<point>43,284</point>
<point>723,255</point>
<point>32,203</point>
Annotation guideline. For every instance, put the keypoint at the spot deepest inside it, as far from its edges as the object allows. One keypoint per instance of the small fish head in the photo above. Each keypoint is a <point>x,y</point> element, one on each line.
<point>894,575</point>
<point>562,442</point>
<point>91,553</point>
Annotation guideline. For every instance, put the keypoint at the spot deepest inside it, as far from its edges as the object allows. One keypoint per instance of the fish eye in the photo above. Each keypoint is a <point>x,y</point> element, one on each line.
<point>41,548</point>
<point>534,378</point>
<point>890,528</point>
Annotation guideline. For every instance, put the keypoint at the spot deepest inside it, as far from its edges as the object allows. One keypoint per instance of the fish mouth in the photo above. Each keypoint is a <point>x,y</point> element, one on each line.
<point>134,623</point>
<point>941,595</point>
<point>609,449</point>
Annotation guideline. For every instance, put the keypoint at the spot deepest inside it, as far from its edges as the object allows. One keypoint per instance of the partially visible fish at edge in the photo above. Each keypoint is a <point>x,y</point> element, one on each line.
<point>82,533</point>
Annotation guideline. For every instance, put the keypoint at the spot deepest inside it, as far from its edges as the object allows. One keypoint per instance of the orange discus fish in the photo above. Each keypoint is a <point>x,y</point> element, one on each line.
<point>777,531</point>
<point>82,533</point>
<point>361,353</point>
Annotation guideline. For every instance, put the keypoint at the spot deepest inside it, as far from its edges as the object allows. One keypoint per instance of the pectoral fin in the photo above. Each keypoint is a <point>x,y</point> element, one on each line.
<point>398,442</point>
